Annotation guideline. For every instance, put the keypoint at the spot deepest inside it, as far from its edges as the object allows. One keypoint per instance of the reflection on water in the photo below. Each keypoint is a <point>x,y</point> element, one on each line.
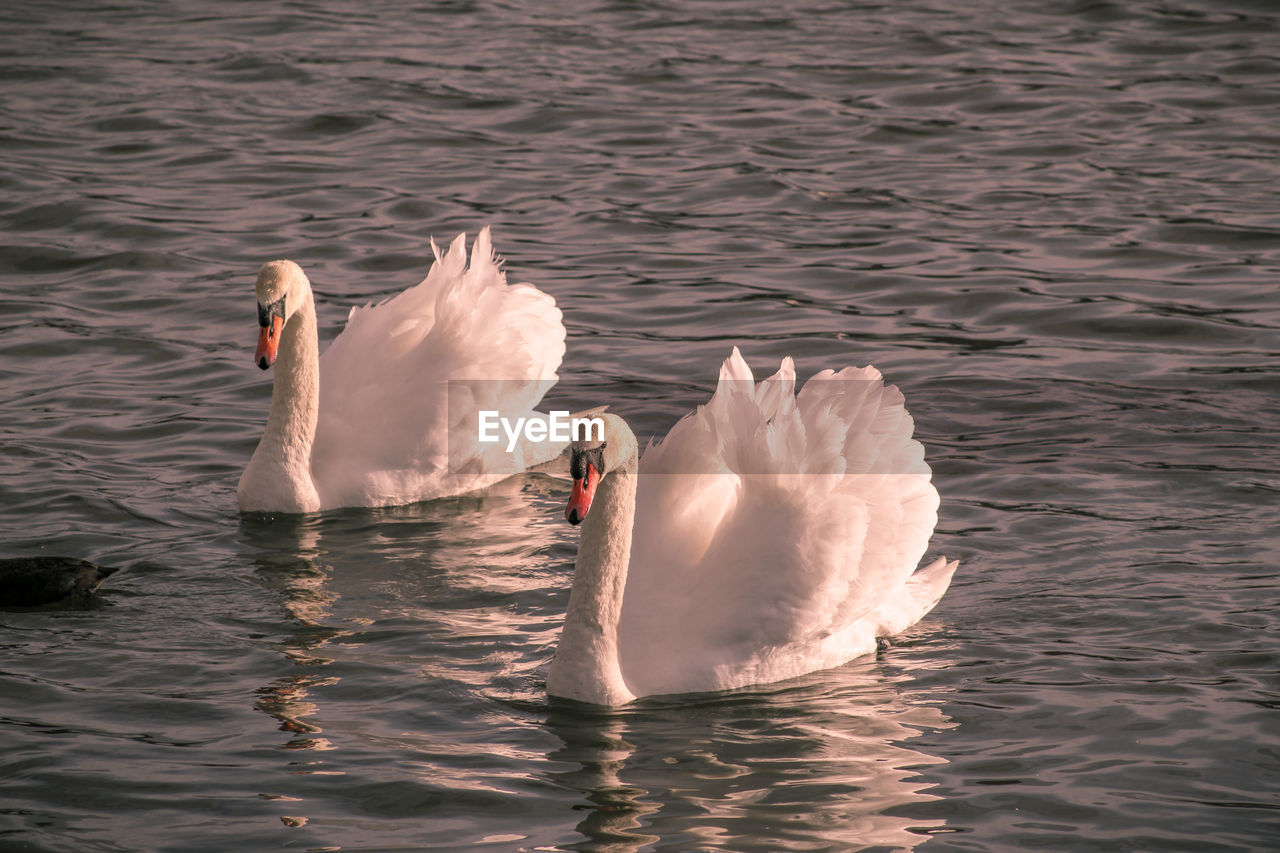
<point>454,594</point>
<point>1055,229</point>
<point>296,575</point>
<point>596,747</point>
<point>822,763</point>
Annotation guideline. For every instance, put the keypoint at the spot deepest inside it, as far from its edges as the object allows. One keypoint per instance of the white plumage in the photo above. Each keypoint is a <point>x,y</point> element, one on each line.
<point>773,534</point>
<point>388,415</point>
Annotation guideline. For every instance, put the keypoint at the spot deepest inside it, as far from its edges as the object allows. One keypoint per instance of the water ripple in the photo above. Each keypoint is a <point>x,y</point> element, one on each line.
<point>1057,235</point>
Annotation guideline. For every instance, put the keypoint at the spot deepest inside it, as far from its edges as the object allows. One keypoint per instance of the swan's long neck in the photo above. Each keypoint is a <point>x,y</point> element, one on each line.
<point>281,466</point>
<point>586,665</point>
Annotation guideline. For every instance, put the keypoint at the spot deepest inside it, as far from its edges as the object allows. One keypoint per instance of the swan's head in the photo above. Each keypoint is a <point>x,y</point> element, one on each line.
<point>590,461</point>
<point>282,287</point>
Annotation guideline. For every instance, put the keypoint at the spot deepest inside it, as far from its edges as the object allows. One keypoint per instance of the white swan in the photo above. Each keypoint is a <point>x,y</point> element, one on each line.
<point>774,534</point>
<point>389,414</point>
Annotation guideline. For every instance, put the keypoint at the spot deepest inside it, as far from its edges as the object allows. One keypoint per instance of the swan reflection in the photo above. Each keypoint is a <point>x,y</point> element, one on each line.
<point>594,741</point>
<point>824,761</point>
<point>440,619</point>
<point>295,574</point>
<point>431,577</point>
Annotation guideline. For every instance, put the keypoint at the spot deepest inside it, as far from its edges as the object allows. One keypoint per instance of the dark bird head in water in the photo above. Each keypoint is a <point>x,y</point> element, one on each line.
<point>33,581</point>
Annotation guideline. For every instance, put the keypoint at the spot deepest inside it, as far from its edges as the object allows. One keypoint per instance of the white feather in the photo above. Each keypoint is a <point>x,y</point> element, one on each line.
<point>774,534</point>
<point>400,387</point>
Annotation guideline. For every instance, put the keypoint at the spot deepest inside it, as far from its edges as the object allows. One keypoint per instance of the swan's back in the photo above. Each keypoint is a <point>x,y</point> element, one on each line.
<point>399,387</point>
<point>791,526</point>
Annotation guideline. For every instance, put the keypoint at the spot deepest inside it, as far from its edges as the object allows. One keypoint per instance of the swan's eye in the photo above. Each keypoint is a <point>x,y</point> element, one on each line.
<point>581,457</point>
<point>266,312</point>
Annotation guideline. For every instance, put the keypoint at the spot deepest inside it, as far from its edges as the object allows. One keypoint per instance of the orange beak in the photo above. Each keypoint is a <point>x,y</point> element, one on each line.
<point>268,342</point>
<point>580,500</point>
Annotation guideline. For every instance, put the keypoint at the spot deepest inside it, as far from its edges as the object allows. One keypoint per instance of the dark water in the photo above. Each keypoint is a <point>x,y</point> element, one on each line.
<point>1054,225</point>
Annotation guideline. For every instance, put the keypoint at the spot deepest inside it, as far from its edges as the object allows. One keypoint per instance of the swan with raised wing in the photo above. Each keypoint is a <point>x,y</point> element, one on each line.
<point>388,415</point>
<point>770,534</point>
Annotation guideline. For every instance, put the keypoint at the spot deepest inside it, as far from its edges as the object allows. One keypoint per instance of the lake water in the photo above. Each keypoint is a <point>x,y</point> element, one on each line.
<point>1054,225</point>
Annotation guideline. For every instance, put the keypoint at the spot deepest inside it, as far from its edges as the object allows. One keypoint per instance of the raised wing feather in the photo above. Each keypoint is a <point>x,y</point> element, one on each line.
<point>401,385</point>
<point>774,531</point>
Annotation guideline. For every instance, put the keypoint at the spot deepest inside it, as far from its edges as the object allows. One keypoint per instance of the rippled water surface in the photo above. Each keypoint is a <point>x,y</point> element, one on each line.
<point>1054,225</point>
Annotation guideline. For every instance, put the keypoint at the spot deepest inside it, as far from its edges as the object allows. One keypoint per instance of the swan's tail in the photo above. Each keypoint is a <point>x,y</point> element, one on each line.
<point>918,596</point>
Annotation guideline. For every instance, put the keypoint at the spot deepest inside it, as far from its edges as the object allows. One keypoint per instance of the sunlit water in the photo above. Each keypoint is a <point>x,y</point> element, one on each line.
<point>1053,225</point>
